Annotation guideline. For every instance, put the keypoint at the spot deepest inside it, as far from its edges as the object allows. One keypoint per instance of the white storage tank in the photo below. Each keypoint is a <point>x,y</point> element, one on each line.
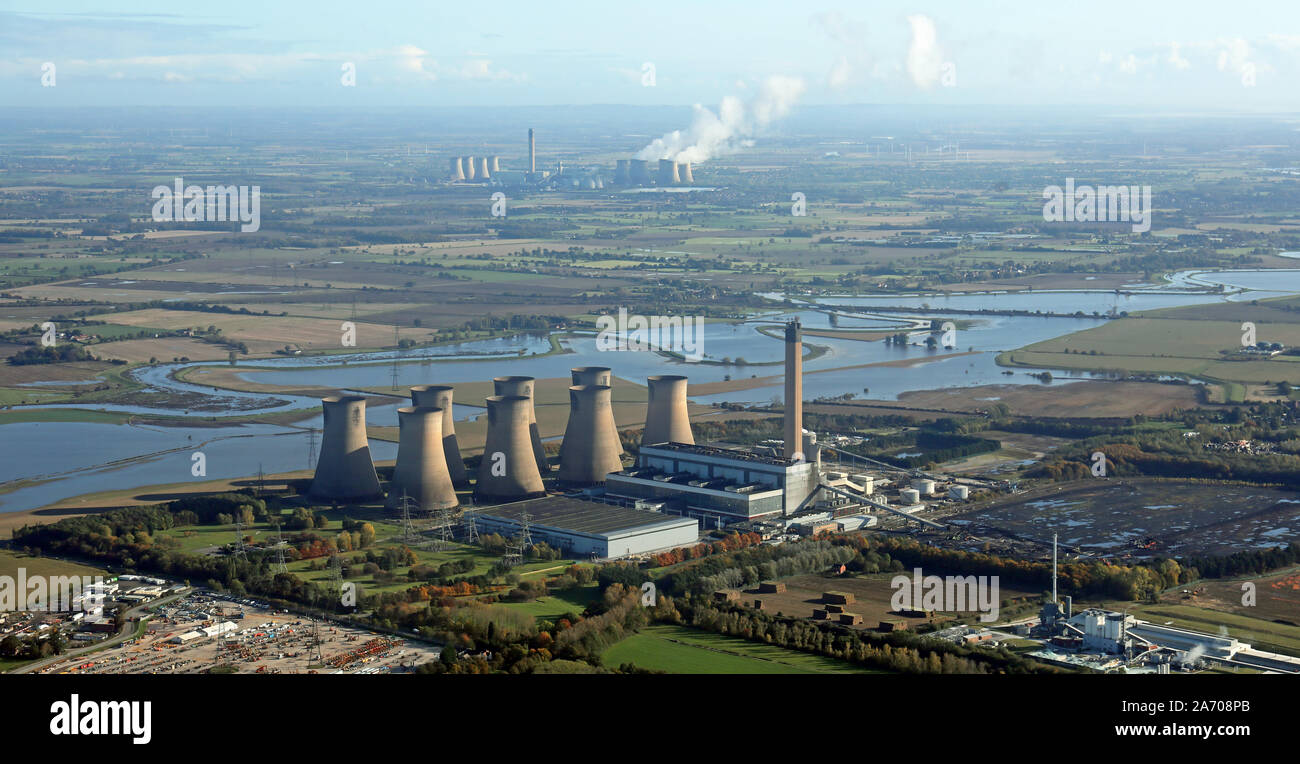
<point>924,485</point>
<point>909,496</point>
<point>959,492</point>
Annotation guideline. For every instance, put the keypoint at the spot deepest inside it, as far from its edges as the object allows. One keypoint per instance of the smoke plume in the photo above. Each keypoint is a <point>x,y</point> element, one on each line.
<point>731,128</point>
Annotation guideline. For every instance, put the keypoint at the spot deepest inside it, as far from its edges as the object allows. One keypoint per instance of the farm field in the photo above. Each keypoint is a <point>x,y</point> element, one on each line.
<point>11,560</point>
<point>681,650</point>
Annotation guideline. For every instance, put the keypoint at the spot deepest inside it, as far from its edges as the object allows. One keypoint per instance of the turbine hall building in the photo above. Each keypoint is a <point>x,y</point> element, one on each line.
<point>583,528</point>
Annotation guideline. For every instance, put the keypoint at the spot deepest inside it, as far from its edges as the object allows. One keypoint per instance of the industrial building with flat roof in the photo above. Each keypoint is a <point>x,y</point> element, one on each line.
<point>716,484</point>
<point>589,528</point>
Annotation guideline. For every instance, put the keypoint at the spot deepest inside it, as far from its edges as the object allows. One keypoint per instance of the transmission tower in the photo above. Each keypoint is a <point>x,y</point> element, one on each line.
<point>517,547</point>
<point>409,535</point>
<point>261,482</point>
<point>471,528</point>
<point>239,552</point>
<point>397,345</point>
<point>279,566</point>
<point>314,651</point>
<point>311,448</point>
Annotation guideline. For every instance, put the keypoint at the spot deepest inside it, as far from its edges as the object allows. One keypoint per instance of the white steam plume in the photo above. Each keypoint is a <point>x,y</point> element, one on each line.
<point>924,57</point>
<point>731,128</point>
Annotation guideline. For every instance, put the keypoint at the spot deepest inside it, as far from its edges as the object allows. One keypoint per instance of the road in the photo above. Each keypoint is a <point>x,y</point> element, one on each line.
<point>128,630</point>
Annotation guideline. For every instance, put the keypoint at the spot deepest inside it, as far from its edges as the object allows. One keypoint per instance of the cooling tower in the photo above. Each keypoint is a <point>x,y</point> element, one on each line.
<point>523,386</point>
<point>621,171</point>
<point>508,471</point>
<point>439,397</point>
<point>457,169</point>
<point>345,471</point>
<point>684,172</point>
<point>494,163</point>
<point>666,420</point>
<point>590,450</point>
<point>793,390</point>
<point>483,172</point>
<point>640,171</point>
<point>598,375</point>
<point>471,168</point>
<point>421,472</point>
<point>668,173</point>
<point>532,152</point>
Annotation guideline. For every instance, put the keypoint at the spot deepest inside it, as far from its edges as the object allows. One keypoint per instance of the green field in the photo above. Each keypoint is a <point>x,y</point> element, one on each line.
<point>679,650</point>
<point>559,604</point>
<point>11,561</point>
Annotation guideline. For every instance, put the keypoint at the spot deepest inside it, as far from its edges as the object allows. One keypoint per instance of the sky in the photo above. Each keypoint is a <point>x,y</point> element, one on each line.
<point>1145,54</point>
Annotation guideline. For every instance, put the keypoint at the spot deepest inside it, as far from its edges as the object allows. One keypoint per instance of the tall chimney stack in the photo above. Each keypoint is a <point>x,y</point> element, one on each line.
<point>439,397</point>
<point>524,386</point>
<point>589,451</point>
<point>471,168</point>
<point>668,173</point>
<point>666,420</point>
<point>457,169</point>
<point>532,151</point>
<point>508,469</point>
<point>793,391</point>
<point>599,375</point>
<point>345,471</point>
<point>421,472</point>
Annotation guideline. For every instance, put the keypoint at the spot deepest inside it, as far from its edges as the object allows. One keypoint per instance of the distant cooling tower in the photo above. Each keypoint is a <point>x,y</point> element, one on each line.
<point>494,163</point>
<point>590,450</point>
<point>639,171</point>
<point>668,173</point>
<point>621,171</point>
<point>345,471</point>
<point>684,172</point>
<point>598,375</point>
<point>471,168</point>
<point>508,470</point>
<point>524,387</point>
<point>457,169</point>
<point>440,397</point>
<point>666,420</point>
<point>421,472</point>
<point>483,172</point>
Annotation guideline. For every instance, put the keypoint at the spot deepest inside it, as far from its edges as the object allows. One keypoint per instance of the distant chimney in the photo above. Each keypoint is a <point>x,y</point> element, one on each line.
<point>598,375</point>
<point>589,451</point>
<point>508,468</point>
<point>525,387</point>
<point>793,391</point>
<point>471,168</point>
<point>440,397</point>
<point>668,173</point>
<point>421,472</point>
<point>344,471</point>
<point>684,172</point>
<point>666,418</point>
<point>532,152</point>
<point>457,169</point>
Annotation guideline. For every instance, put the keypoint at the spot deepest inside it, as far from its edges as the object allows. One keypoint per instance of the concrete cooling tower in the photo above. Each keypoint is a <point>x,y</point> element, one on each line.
<point>598,375</point>
<point>483,172</point>
<point>494,163</point>
<point>666,420</point>
<point>684,172</point>
<point>421,472</point>
<point>668,173</point>
<point>524,386</point>
<point>439,397</point>
<point>344,471</point>
<point>589,451</point>
<point>457,169</point>
<point>622,171</point>
<point>471,168</point>
<point>508,470</point>
<point>640,171</point>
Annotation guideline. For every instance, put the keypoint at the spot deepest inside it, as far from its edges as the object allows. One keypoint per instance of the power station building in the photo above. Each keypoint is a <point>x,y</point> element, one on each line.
<point>717,485</point>
<point>584,528</point>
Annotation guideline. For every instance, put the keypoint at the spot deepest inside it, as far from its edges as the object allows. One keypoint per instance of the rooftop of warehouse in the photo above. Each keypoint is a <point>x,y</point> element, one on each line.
<point>580,515</point>
<point>725,453</point>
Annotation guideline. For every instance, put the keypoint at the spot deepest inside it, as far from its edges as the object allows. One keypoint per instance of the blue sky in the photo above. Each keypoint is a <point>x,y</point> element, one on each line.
<point>1192,55</point>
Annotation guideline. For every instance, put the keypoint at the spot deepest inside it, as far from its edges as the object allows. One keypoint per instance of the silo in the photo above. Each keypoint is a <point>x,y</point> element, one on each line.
<point>483,172</point>
<point>599,375</point>
<point>524,386</point>
<point>684,172</point>
<point>639,172</point>
<point>439,396</point>
<point>909,496</point>
<point>621,171</point>
<point>668,173</point>
<point>421,472</point>
<point>666,420</point>
<point>344,470</point>
<point>508,470</point>
<point>494,163</point>
<point>959,492</point>
<point>471,168</point>
<point>589,451</point>
<point>457,169</point>
<point>924,485</point>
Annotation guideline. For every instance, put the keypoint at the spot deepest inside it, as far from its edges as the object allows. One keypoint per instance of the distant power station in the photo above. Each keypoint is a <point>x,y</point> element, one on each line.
<point>508,469</point>
<point>421,474</point>
<point>439,397</point>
